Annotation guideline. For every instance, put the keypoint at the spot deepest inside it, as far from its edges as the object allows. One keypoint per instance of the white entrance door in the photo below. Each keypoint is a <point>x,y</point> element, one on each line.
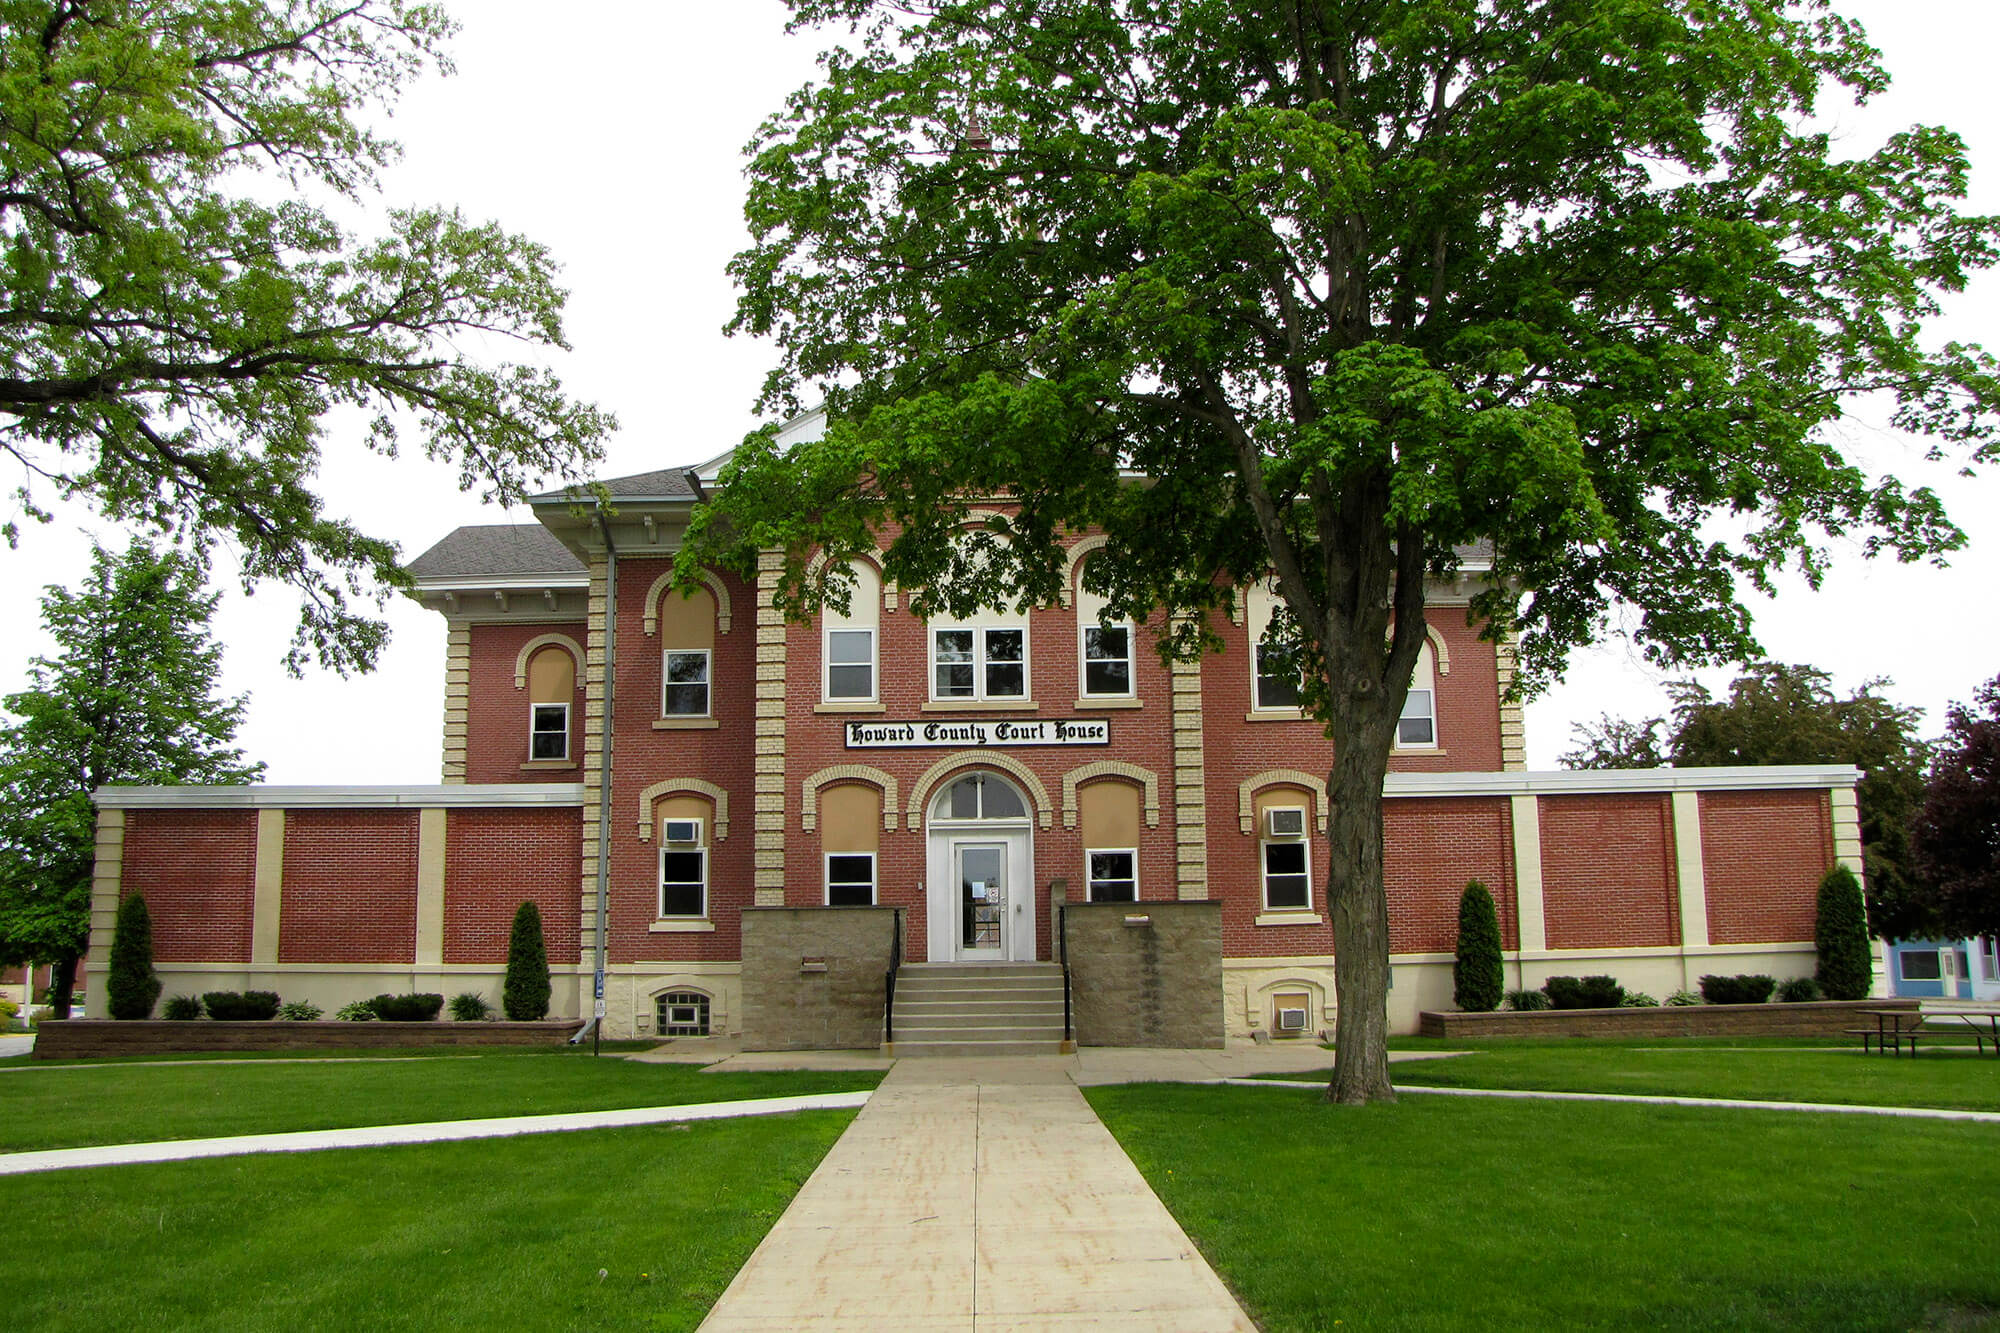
<point>980,873</point>
<point>981,896</point>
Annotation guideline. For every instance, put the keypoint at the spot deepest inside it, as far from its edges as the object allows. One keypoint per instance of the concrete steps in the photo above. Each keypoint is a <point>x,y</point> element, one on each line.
<point>979,1009</point>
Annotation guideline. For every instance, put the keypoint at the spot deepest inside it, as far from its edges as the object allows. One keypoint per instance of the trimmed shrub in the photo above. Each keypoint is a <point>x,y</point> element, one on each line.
<point>413,1008</point>
<point>468,1007</point>
<point>300,1011</point>
<point>1798,990</point>
<point>1526,1001</point>
<point>525,996</point>
<point>1840,933</point>
<point>1681,999</point>
<point>181,1008</point>
<point>132,985</point>
<point>356,1011</point>
<point>1740,989</point>
<point>1638,999</point>
<point>250,1006</point>
<point>1476,982</point>
<point>1598,992</point>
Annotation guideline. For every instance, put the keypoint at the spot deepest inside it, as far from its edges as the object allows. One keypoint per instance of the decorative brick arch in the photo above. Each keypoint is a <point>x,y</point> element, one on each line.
<point>666,581</point>
<point>1094,542</point>
<point>1440,655</point>
<point>920,793</point>
<point>535,645</point>
<point>695,785</point>
<point>1246,810</point>
<point>826,777</point>
<point>879,559</point>
<point>1111,768</point>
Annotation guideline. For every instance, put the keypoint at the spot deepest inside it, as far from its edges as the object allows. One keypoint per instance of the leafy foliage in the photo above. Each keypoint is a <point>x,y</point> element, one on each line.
<point>1527,1001</point>
<point>1477,982</point>
<point>250,1006</point>
<point>186,311</point>
<point>1798,990</point>
<point>356,1011</point>
<point>1840,935</point>
<point>1681,999</point>
<point>132,985</point>
<point>1743,988</point>
<point>411,1008</point>
<point>300,1011</point>
<point>129,697</point>
<point>1638,999</point>
<point>1599,992</point>
<point>470,1007</point>
<point>1351,287</point>
<point>1957,831</point>
<point>181,1008</point>
<point>524,995</point>
<point>1782,714</point>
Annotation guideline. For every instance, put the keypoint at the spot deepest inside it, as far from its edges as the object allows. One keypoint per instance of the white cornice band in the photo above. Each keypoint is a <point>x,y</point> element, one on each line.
<point>425,796</point>
<point>1601,782</point>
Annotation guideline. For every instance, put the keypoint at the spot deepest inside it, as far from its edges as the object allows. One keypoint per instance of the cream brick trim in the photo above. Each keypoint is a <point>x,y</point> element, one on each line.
<point>267,899</point>
<point>1440,655</point>
<point>1095,542</point>
<point>430,887</point>
<point>879,558</point>
<point>723,614</point>
<point>1111,768</point>
<point>593,756</point>
<point>1012,767</point>
<point>457,697</point>
<point>1530,912</point>
<point>695,785</point>
<point>1689,870</point>
<point>541,641</point>
<point>1246,811</point>
<point>809,792</point>
<point>1513,717</point>
<point>106,883</point>
<point>1846,815</point>
<point>1190,782</point>
<point>768,761</point>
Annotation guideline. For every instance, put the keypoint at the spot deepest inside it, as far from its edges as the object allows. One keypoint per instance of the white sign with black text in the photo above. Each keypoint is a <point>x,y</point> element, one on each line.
<point>1006,732</point>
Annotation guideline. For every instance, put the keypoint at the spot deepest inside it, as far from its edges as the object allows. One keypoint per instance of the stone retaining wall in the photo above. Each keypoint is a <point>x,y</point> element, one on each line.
<point>813,976</point>
<point>1146,974</point>
<point>83,1038</point>
<point>1824,1018</point>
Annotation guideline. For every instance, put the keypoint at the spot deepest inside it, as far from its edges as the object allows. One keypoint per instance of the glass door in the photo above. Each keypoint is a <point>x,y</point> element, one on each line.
<point>981,868</point>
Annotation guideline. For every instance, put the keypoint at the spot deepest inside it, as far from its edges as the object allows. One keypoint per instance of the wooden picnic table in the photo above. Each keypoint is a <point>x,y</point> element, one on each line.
<point>1971,1018</point>
<point>1893,1027</point>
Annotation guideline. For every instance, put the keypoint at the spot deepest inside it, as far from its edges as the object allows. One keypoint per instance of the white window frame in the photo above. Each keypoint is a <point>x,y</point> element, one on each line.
<point>1989,949</point>
<point>1428,715</point>
<point>1264,846</point>
<point>981,663</point>
<point>707,680</point>
<point>1084,659</point>
<point>1903,957</point>
<point>874,885</point>
<point>535,732</point>
<point>1090,882</point>
<point>660,897</point>
<point>1257,678</point>
<point>827,664</point>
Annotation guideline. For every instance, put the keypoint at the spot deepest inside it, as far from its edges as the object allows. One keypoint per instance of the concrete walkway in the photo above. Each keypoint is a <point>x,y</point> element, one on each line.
<point>19,1043</point>
<point>977,1195</point>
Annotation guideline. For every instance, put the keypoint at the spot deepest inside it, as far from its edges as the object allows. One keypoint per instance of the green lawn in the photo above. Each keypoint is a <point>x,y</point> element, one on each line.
<point>65,1106</point>
<point>1450,1213</point>
<point>499,1233</point>
<point>1772,1069</point>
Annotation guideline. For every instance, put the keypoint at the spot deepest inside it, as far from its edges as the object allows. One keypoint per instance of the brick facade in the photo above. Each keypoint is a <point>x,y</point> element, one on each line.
<point>1608,872</point>
<point>350,882</point>
<point>497,859</point>
<point>198,869</point>
<point>1759,853</point>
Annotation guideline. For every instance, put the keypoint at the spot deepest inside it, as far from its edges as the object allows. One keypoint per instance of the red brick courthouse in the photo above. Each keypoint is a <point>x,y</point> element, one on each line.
<point>776,810</point>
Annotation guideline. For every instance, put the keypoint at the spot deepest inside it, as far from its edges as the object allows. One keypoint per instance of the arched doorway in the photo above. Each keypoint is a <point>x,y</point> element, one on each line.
<point>981,899</point>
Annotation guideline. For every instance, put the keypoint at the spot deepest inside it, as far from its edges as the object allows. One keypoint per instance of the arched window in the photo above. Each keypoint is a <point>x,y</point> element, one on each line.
<point>1108,818</point>
<point>551,690</point>
<point>1104,649</point>
<point>685,822</point>
<point>851,639</point>
<point>1274,683</point>
<point>687,651</point>
<point>984,658</point>
<point>850,822</point>
<point>1416,729</point>
<point>681,1013</point>
<point>980,796</point>
<point>1284,848</point>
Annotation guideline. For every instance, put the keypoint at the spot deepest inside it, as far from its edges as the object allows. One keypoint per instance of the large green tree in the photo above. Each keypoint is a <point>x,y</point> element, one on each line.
<point>1956,831</point>
<point>1327,290</point>
<point>1777,713</point>
<point>183,310</point>
<point>128,697</point>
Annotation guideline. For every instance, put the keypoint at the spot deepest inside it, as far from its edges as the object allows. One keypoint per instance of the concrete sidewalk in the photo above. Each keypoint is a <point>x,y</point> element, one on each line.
<point>976,1195</point>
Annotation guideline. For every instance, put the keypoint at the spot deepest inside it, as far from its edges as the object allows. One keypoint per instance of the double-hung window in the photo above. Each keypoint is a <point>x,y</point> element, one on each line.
<point>1114,875</point>
<point>1287,871</point>
<point>1107,660</point>
<point>1418,724</point>
<point>683,868</point>
<point>548,732</point>
<point>979,663</point>
<point>1277,680</point>
<point>850,879</point>
<point>685,689</point>
<point>850,664</point>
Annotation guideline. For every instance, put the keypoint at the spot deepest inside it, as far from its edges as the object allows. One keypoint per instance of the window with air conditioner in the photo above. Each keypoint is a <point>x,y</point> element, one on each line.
<point>680,832</point>
<point>1285,821</point>
<point>1291,1015</point>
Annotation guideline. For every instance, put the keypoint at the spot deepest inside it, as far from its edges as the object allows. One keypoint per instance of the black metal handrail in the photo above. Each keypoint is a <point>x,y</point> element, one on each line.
<point>889,981</point>
<point>1062,943</point>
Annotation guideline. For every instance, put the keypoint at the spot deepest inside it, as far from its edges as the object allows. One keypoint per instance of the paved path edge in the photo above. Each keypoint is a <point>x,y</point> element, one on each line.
<point>1731,1103</point>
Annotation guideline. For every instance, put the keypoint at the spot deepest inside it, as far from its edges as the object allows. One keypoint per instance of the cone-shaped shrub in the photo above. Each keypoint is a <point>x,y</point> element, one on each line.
<point>1841,936</point>
<point>526,993</point>
<point>132,986</point>
<point>1476,982</point>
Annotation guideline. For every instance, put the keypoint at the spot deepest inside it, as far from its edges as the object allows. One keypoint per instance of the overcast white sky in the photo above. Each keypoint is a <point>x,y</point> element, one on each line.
<point>612,131</point>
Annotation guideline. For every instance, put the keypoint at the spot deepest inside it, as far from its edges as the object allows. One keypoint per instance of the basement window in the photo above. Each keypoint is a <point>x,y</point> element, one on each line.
<point>681,1013</point>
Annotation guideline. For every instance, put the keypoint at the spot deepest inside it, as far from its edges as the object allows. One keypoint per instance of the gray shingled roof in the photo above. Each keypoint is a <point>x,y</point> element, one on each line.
<point>666,484</point>
<point>507,550</point>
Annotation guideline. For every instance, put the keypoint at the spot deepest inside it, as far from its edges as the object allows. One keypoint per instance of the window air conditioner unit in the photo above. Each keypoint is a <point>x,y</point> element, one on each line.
<point>1285,822</point>
<point>682,832</point>
<point>1291,1018</point>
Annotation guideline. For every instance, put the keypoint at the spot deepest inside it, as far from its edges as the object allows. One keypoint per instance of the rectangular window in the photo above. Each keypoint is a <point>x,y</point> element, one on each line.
<point>1277,681</point>
<point>686,692</point>
<point>683,881</point>
<point>1107,659</point>
<point>850,664</point>
<point>1991,948</point>
<point>1418,724</point>
<point>1921,965</point>
<point>979,664</point>
<point>548,735</point>
<point>850,879</point>
<point>1287,884</point>
<point>1113,876</point>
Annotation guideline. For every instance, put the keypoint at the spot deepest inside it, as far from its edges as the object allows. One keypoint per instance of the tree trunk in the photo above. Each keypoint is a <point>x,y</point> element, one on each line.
<point>1358,905</point>
<point>62,984</point>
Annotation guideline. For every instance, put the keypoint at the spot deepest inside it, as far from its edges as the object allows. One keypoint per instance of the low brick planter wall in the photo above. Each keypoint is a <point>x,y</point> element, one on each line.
<point>1822,1018</point>
<point>81,1038</point>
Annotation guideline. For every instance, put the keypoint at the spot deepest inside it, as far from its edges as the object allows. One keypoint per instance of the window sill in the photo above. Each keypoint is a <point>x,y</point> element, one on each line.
<point>980,706</point>
<point>1395,750</point>
<point>1290,917</point>
<point>686,724</point>
<point>1108,701</point>
<point>681,925</point>
<point>857,706</point>
<point>547,765</point>
<point>1276,715</point>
